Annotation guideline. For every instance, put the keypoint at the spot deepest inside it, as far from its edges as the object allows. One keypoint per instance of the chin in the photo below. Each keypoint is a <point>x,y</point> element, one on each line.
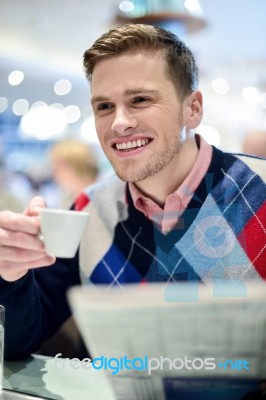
<point>128,177</point>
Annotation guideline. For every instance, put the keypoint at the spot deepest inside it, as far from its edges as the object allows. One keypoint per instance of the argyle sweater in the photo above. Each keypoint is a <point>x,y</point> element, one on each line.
<point>220,236</point>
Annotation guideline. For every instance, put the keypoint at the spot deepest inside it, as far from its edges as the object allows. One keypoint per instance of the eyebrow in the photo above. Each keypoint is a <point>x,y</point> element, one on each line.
<point>128,92</point>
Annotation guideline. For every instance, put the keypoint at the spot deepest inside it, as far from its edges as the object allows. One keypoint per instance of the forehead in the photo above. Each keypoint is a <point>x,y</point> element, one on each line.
<point>140,68</point>
<point>138,55</point>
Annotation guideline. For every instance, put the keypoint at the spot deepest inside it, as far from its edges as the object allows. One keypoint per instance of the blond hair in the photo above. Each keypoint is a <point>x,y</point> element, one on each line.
<point>78,156</point>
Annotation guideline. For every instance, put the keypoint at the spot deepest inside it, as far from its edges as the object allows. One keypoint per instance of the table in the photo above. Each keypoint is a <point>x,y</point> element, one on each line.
<point>41,376</point>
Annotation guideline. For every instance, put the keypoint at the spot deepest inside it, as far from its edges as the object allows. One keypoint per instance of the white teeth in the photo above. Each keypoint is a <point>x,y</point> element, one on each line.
<point>131,145</point>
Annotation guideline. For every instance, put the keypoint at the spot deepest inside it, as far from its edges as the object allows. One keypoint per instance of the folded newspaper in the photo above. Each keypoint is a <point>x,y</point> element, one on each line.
<point>168,341</point>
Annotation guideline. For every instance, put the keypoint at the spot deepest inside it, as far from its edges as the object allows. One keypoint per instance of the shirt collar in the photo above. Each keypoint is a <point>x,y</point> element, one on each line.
<point>186,190</point>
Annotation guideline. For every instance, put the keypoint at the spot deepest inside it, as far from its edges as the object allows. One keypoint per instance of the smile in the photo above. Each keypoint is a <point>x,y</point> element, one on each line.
<point>134,144</point>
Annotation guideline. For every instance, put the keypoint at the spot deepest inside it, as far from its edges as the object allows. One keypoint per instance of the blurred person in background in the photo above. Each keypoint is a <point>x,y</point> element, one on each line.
<point>255,143</point>
<point>74,167</point>
<point>177,209</point>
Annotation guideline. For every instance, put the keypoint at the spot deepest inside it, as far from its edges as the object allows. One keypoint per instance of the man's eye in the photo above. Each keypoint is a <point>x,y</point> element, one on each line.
<point>140,99</point>
<point>104,106</point>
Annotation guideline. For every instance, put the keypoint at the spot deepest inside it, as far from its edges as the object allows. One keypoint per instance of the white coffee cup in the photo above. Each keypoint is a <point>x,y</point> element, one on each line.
<point>61,231</point>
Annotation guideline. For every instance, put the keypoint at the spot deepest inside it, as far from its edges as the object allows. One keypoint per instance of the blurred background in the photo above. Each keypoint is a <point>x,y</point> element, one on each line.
<point>44,96</point>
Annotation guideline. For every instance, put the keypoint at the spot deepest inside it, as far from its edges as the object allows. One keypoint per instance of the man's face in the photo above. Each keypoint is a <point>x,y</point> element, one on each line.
<point>138,116</point>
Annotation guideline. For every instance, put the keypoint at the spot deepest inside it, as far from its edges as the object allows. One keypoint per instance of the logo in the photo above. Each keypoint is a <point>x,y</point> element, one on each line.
<point>116,365</point>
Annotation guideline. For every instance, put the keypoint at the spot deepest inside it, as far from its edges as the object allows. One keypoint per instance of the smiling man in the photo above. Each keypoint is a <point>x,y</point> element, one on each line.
<point>143,122</point>
<point>177,209</point>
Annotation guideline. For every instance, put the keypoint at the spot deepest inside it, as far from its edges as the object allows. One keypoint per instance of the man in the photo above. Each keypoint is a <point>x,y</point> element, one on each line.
<point>255,143</point>
<point>181,210</point>
<point>74,167</point>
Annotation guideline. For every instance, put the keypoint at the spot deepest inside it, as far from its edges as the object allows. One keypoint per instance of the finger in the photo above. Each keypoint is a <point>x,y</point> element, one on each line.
<point>19,254</point>
<point>11,268</point>
<point>35,206</point>
<point>21,240</point>
<point>12,276</point>
<point>18,222</point>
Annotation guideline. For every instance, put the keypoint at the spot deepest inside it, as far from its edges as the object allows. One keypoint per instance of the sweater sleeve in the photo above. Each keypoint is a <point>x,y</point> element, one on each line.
<point>36,306</point>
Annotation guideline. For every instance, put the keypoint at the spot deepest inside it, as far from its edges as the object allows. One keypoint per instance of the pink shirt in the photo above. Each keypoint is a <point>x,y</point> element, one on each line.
<point>166,218</point>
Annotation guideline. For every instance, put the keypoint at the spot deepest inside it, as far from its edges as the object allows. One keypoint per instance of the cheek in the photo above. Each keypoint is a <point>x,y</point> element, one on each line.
<point>99,126</point>
<point>102,133</point>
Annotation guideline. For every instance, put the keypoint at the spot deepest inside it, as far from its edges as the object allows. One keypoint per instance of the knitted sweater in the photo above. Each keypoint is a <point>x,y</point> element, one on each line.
<point>220,236</point>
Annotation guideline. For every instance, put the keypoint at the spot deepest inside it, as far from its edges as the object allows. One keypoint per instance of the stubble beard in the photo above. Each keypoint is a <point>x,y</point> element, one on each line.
<point>131,171</point>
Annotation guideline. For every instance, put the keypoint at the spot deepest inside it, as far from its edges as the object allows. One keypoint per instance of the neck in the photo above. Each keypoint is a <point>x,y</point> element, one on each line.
<point>159,186</point>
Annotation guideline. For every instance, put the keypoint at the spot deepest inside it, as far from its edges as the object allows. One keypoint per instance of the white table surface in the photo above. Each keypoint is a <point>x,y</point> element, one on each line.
<point>41,376</point>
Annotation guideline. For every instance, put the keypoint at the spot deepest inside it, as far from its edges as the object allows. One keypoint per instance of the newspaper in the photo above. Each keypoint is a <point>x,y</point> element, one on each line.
<point>156,341</point>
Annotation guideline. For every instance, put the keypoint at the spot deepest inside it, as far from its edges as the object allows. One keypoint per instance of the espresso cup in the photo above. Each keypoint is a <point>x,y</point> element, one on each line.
<point>61,231</point>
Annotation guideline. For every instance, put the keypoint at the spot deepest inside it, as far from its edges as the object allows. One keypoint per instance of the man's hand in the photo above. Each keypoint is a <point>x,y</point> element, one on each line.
<point>20,247</point>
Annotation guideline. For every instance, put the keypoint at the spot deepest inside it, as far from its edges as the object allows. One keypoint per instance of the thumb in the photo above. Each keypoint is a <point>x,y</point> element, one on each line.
<point>35,205</point>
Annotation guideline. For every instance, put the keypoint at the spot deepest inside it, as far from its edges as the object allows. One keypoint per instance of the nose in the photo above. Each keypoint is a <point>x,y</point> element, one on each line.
<point>123,121</point>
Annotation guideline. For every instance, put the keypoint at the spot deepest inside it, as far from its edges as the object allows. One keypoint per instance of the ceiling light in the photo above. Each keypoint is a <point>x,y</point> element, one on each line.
<point>62,87</point>
<point>72,114</point>
<point>38,104</point>
<point>194,7</point>
<point>251,95</point>
<point>220,85</point>
<point>126,6</point>
<point>3,104</point>
<point>43,123</point>
<point>59,106</point>
<point>15,78</point>
<point>177,16</point>
<point>20,106</point>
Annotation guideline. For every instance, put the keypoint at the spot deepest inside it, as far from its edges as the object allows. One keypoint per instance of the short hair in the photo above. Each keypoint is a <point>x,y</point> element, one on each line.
<point>130,38</point>
<point>77,155</point>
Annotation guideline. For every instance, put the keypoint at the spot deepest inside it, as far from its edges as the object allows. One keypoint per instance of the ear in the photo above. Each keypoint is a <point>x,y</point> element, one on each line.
<point>193,110</point>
